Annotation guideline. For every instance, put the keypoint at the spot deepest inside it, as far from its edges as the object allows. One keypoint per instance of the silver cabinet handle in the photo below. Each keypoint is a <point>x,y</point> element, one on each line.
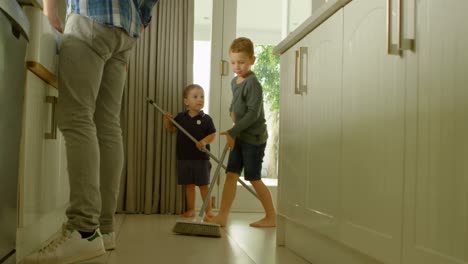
<point>297,75</point>
<point>300,74</point>
<point>303,55</point>
<point>392,49</point>
<point>53,123</point>
<point>406,43</point>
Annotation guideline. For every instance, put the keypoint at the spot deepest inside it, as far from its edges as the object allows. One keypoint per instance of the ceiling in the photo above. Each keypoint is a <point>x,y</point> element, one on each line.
<point>251,18</point>
<point>260,18</point>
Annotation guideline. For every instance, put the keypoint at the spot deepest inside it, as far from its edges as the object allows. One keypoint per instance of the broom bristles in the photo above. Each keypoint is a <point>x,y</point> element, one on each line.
<point>197,228</point>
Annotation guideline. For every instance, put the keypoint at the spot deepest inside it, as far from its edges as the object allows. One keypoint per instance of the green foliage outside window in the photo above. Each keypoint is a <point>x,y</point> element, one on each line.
<point>267,70</point>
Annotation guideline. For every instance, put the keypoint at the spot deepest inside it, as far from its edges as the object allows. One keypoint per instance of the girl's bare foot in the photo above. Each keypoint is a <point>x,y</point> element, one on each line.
<point>209,214</point>
<point>189,213</point>
<point>265,222</point>
<point>218,219</point>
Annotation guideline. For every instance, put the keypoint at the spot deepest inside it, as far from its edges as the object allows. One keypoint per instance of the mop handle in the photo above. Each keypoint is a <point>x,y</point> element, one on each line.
<point>196,141</point>
<point>213,181</point>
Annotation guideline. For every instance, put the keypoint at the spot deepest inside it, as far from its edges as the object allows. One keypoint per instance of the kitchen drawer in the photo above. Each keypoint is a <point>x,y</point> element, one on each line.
<point>36,3</point>
<point>43,45</point>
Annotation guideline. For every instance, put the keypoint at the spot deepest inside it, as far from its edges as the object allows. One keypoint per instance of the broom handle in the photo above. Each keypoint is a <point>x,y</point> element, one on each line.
<point>213,181</point>
<point>196,141</point>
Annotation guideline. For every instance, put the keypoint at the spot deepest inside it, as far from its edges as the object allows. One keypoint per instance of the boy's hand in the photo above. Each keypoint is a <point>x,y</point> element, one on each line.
<point>233,117</point>
<point>230,142</point>
<point>201,145</point>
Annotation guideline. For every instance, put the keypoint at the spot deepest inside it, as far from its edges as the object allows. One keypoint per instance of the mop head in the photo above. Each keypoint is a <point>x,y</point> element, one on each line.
<point>190,227</point>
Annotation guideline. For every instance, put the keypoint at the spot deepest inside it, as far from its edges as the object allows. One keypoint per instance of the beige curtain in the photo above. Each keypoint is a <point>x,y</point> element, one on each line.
<point>160,67</point>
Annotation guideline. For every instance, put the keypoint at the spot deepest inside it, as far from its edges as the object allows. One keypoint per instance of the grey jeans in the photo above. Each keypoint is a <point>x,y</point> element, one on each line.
<point>92,74</point>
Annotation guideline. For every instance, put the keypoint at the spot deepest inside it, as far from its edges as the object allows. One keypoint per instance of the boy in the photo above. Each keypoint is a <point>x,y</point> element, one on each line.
<point>247,138</point>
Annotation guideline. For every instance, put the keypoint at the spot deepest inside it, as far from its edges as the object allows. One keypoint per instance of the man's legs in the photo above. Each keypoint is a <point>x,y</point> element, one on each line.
<point>92,76</point>
<point>109,134</point>
<point>80,72</point>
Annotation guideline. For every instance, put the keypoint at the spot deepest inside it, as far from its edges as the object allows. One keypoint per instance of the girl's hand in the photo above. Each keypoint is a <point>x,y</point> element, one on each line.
<point>167,121</point>
<point>201,145</point>
<point>230,142</point>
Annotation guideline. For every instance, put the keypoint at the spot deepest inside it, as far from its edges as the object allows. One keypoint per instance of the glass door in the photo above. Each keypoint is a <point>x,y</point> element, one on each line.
<point>261,21</point>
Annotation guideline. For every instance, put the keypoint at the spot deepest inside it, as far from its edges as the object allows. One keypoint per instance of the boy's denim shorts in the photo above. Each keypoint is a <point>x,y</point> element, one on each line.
<point>248,157</point>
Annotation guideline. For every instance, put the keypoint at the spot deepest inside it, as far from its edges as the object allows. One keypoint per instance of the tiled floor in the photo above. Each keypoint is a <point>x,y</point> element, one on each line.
<point>149,239</point>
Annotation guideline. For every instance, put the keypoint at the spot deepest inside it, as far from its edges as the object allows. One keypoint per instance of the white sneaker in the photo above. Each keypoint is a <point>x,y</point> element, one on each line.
<point>109,240</point>
<point>68,248</point>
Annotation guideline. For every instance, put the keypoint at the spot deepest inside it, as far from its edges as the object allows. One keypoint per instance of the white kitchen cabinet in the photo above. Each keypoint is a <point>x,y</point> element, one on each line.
<point>322,121</point>
<point>43,190</point>
<point>310,133</point>
<point>373,134</point>
<point>398,192</point>
<point>436,193</point>
<point>43,41</point>
<point>43,180</point>
<point>342,140</point>
<point>291,159</point>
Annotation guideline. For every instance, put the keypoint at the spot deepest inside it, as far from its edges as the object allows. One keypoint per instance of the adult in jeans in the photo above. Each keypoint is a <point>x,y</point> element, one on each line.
<point>94,53</point>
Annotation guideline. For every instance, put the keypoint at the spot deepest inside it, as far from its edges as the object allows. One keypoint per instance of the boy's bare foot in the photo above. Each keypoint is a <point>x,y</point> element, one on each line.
<point>265,222</point>
<point>189,213</point>
<point>222,221</point>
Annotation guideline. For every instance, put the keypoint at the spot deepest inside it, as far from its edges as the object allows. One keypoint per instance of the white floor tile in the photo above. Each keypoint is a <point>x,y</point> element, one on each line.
<point>149,239</point>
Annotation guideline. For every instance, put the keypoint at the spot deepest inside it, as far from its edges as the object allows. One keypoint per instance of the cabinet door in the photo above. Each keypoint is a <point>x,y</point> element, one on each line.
<point>292,159</point>
<point>373,134</point>
<point>436,206</point>
<point>43,186</point>
<point>321,128</point>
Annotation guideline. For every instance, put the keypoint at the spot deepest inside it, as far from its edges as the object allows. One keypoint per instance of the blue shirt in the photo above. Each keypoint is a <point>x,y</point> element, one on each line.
<point>198,127</point>
<point>126,14</point>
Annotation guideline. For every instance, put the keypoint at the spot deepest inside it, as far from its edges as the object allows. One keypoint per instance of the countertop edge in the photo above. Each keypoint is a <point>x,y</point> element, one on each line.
<point>317,18</point>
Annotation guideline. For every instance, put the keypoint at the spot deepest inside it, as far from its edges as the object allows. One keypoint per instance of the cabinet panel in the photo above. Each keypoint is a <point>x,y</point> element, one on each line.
<point>373,134</point>
<point>322,125</point>
<point>437,196</point>
<point>43,181</point>
<point>292,158</point>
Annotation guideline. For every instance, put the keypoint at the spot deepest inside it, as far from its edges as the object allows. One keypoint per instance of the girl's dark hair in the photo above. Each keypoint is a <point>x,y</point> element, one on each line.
<point>190,87</point>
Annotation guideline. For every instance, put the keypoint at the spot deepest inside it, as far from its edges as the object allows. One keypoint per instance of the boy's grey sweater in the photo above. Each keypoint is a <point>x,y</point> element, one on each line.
<point>247,106</point>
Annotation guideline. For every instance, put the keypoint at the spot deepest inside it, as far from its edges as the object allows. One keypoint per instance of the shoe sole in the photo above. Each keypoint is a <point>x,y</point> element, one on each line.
<point>110,248</point>
<point>88,256</point>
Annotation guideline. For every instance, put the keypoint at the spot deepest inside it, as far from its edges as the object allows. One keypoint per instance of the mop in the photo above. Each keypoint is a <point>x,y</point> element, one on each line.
<point>197,226</point>
<point>195,141</point>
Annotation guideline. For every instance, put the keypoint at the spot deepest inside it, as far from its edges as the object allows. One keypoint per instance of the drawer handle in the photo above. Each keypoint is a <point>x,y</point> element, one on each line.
<point>297,89</point>
<point>304,60</point>
<point>300,74</point>
<point>406,43</point>
<point>393,49</point>
<point>53,123</point>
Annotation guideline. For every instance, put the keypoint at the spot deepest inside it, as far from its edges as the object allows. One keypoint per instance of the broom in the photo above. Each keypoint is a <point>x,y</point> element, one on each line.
<point>195,141</point>
<point>197,226</point>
